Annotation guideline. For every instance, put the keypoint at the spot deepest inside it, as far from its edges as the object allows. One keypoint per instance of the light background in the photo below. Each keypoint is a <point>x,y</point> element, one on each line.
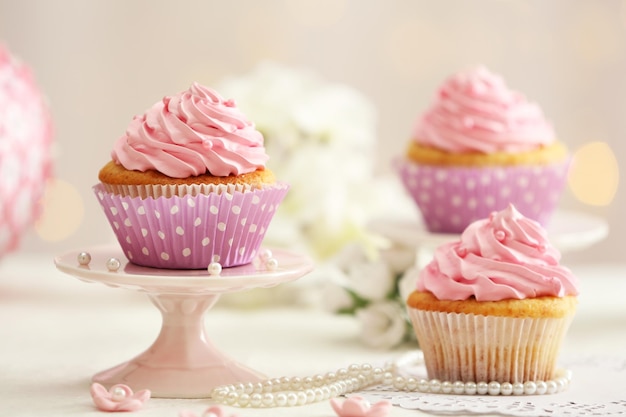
<point>102,61</point>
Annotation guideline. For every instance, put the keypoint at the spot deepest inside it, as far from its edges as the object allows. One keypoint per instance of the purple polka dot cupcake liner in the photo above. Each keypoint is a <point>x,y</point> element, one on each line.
<point>191,231</point>
<point>450,198</point>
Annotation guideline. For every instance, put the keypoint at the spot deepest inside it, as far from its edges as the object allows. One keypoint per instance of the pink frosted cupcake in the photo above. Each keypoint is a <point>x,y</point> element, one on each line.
<point>479,147</point>
<point>187,184</point>
<point>494,305</point>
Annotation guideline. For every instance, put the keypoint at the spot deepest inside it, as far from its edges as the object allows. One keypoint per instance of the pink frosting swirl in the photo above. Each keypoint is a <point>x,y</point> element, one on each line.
<point>475,111</point>
<point>192,133</point>
<point>506,256</point>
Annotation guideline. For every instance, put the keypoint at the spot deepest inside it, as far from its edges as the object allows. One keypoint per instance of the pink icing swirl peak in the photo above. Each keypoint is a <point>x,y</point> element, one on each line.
<point>475,111</point>
<point>189,134</point>
<point>506,256</point>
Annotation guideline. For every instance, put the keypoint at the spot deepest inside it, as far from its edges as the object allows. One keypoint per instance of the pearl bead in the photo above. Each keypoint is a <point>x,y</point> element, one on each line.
<point>435,385</point>
<point>551,387</point>
<point>292,399</point>
<point>302,398</point>
<point>310,396</point>
<point>281,399</point>
<point>530,388</point>
<point>296,383</point>
<point>268,399</point>
<point>423,385</point>
<point>518,388</point>
<point>84,258</point>
<point>482,388</point>
<point>366,369</point>
<point>446,387</point>
<point>319,395</point>
<point>506,388</point>
<point>458,387</point>
<point>411,384</point>
<point>494,388</point>
<point>118,394</point>
<point>470,388</point>
<point>232,398</point>
<point>265,254</point>
<point>214,268</point>
<point>244,399</point>
<point>354,369</point>
<point>113,264</point>
<point>542,388</point>
<point>256,400</point>
<point>271,264</point>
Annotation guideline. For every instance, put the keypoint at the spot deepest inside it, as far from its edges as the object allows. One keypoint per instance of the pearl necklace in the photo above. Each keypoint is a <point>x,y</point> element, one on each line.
<point>294,391</point>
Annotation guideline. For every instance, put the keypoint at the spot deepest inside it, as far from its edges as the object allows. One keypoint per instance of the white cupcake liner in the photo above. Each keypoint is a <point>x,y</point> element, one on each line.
<point>191,231</point>
<point>476,348</point>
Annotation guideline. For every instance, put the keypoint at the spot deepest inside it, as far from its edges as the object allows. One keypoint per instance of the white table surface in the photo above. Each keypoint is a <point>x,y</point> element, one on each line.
<point>56,332</point>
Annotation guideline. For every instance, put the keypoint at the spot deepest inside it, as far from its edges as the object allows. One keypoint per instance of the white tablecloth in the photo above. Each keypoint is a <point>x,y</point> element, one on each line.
<point>57,331</point>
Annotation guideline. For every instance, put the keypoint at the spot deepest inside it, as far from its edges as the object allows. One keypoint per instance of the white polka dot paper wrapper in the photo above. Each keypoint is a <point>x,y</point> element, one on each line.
<point>450,198</point>
<point>191,231</point>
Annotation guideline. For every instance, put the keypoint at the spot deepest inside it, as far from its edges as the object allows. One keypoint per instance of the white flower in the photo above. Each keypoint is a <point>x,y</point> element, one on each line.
<point>408,282</point>
<point>399,258</point>
<point>383,324</point>
<point>321,138</point>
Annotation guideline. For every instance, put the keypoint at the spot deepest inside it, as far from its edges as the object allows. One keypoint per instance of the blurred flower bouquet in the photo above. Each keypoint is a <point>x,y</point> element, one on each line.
<point>374,288</point>
<point>321,138</point>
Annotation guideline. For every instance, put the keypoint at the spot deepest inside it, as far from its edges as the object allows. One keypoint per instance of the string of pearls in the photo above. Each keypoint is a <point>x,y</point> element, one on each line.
<point>295,391</point>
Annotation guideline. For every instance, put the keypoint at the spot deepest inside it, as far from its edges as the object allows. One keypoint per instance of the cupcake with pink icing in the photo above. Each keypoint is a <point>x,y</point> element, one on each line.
<point>479,147</point>
<point>494,305</point>
<point>187,184</point>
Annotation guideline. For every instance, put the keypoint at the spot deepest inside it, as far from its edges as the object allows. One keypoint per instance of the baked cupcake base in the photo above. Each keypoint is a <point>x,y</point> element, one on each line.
<point>521,346</point>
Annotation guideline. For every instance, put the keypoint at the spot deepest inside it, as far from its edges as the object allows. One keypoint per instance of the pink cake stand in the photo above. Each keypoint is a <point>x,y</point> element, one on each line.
<point>182,362</point>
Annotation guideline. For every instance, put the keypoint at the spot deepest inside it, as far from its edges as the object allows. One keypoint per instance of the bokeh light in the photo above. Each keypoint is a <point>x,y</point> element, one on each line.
<point>63,211</point>
<point>594,175</point>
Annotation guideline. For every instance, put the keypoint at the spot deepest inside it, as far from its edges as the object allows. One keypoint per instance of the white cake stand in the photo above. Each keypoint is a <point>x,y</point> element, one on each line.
<point>568,231</point>
<point>182,362</point>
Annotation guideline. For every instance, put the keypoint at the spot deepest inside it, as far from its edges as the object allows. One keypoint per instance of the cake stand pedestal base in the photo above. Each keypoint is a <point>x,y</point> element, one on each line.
<point>182,362</point>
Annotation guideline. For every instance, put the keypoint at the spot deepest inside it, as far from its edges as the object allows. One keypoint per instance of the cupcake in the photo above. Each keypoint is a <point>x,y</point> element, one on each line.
<point>479,147</point>
<point>494,305</point>
<point>187,184</point>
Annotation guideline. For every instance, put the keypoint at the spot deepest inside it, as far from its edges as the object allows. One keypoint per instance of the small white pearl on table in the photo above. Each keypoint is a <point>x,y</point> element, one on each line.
<point>506,388</point>
<point>84,258</point>
<point>214,268</point>
<point>118,394</point>
<point>494,388</point>
<point>113,264</point>
<point>265,255</point>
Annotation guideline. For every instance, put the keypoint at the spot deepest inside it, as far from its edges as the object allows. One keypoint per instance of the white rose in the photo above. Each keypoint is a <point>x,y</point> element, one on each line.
<point>408,282</point>
<point>399,258</point>
<point>383,324</point>
<point>371,280</point>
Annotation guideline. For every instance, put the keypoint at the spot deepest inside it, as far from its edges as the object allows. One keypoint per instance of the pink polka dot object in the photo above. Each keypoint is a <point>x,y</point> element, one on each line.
<point>25,142</point>
<point>450,198</point>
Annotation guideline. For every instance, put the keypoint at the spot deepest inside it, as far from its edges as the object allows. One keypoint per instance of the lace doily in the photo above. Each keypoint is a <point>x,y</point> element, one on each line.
<point>598,388</point>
